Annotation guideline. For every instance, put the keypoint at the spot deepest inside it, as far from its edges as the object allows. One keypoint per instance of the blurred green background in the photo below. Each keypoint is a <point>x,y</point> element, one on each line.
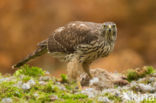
<point>24,23</point>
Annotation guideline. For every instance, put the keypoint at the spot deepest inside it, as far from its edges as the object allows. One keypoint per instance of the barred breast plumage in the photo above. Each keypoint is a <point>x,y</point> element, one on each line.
<point>93,51</point>
<point>79,44</point>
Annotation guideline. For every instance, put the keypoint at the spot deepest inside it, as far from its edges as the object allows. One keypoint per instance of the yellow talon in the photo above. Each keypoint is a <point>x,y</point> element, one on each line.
<point>79,85</point>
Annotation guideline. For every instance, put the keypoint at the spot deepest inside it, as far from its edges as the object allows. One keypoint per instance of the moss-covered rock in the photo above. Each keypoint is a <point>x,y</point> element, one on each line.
<point>33,85</point>
<point>135,74</point>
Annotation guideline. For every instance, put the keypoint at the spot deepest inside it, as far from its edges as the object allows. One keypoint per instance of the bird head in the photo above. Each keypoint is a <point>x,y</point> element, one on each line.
<point>109,31</point>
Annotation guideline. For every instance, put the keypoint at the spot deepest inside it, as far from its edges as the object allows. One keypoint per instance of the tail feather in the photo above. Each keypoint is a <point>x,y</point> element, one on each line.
<point>40,51</point>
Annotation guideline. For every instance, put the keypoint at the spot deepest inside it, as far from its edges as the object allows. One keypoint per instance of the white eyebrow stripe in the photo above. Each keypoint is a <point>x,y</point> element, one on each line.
<point>82,25</point>
<point>60,29</point>
<point>73,24</point>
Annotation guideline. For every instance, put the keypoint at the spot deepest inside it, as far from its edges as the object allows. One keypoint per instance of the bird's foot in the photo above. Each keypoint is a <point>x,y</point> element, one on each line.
<point>79,85</point>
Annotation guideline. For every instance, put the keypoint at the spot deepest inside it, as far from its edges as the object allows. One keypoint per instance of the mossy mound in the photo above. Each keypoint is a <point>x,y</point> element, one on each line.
<point>135,74</point>
<point>33,85</point>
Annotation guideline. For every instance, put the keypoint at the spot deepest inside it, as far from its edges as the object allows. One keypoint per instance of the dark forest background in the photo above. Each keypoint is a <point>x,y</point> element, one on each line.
<point>24,23</point>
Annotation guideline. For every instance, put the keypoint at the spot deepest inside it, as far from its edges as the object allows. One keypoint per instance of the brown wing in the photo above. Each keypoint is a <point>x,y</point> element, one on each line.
<point>67,38</point>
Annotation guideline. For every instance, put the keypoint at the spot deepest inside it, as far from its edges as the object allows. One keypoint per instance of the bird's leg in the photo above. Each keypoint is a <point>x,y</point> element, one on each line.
<point>79,84</point>
<point>86,69</point>
<point>74,69</point>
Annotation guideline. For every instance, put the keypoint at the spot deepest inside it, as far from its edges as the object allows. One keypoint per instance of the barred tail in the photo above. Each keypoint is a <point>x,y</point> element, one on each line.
<point>40,51</point>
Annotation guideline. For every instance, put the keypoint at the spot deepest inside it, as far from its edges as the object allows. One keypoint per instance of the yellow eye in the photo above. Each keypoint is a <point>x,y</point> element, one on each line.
<point>113,26</point>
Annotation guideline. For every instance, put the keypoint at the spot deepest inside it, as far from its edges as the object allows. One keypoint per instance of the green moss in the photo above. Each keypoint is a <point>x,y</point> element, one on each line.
<point>51,88</point>
<point>7,89</point>
<point>132,75</point>
<point>45,91</point>
<point>139,73</point>
<point>26,78</point>
<point>29,71</point>
<point>149,70</point>
<point>149,101</point>
<point>73,96</point>
<point>49,91</point>
<point>116,99</point>
<point>75,101</point>
<point>44,97</point>
<point>64,78</point>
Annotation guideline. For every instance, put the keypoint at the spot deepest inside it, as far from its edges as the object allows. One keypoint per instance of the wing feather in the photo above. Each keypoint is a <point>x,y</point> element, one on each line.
<point>67,38</point>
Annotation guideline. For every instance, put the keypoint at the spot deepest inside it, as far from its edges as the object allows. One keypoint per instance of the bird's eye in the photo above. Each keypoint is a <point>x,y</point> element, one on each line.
<point>113,26</point>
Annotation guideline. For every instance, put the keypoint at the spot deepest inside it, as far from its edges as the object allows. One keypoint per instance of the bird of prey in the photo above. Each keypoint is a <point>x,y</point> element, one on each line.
<point>78,43</point>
